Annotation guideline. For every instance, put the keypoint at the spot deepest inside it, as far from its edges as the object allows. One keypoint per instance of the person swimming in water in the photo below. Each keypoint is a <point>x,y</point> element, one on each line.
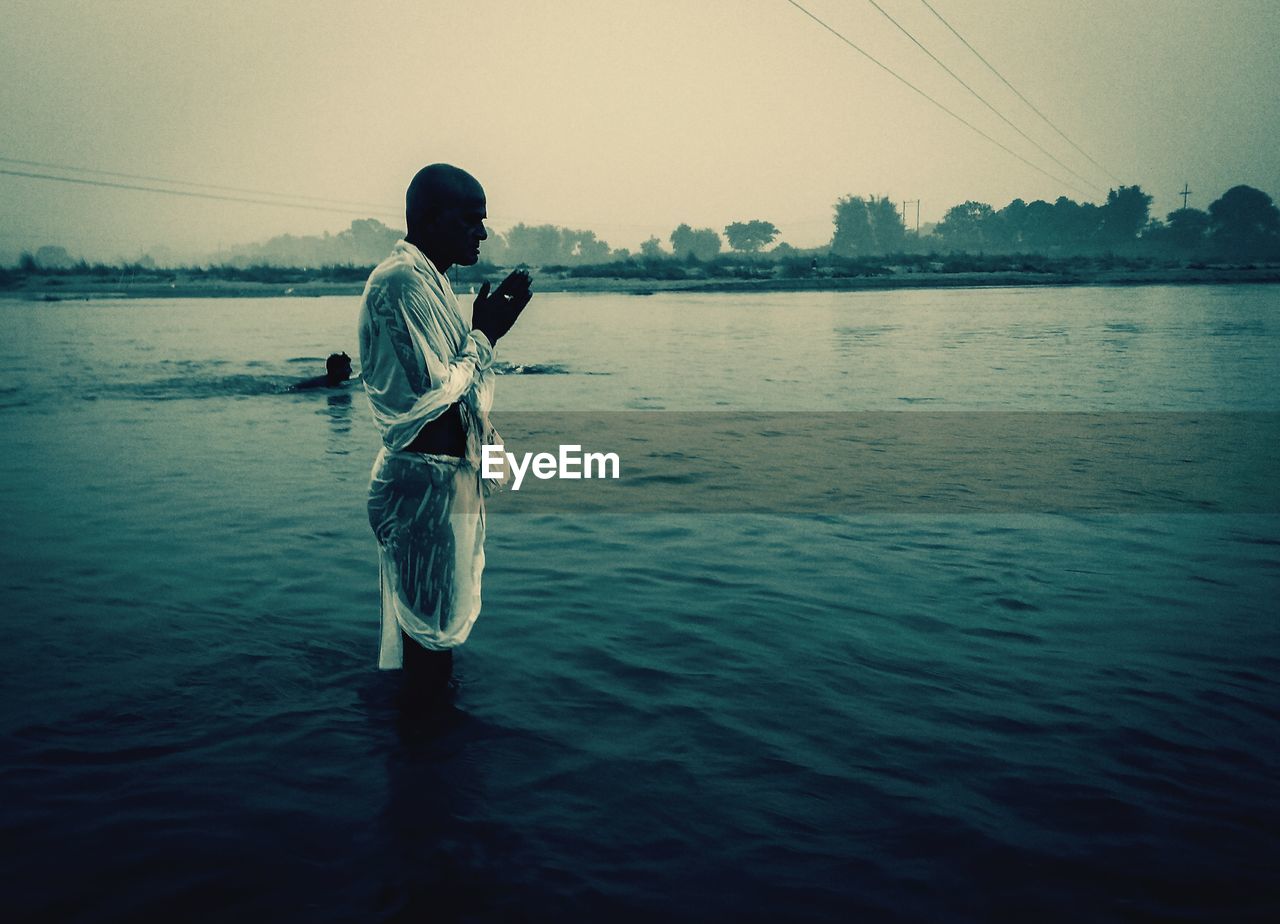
<point>337,372</point>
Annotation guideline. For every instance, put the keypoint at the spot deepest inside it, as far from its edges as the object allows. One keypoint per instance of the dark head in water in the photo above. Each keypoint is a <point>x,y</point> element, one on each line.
<point>337,370</point>
<point>337,367</point>
<point>445,211</point>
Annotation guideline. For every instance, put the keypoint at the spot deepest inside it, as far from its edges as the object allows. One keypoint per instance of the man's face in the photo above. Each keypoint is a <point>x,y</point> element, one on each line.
<point>460,229</point>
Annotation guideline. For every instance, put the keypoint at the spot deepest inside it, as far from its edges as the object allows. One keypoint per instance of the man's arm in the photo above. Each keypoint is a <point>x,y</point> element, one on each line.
<point>443,434</point>
<point>385,313</point>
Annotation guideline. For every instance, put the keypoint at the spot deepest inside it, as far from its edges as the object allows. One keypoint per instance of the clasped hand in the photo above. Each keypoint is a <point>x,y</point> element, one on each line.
<point>493,315</point>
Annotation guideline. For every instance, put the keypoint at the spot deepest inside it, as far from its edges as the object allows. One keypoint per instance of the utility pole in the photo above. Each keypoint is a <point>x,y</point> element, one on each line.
<point>1185,194</point>
<point>905,203</point>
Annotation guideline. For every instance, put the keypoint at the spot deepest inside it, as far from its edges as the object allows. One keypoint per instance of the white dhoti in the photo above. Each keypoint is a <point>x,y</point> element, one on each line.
<point>427,513</point>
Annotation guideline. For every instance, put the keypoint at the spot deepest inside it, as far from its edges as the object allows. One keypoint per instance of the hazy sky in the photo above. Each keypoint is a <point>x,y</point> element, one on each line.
<point>622,116</point>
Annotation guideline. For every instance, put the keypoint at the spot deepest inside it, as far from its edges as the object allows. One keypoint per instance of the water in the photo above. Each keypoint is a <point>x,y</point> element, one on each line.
<point>900,714</point>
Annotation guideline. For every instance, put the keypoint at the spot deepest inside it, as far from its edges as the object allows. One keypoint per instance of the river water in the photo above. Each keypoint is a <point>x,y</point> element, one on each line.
<point>1014,654</point>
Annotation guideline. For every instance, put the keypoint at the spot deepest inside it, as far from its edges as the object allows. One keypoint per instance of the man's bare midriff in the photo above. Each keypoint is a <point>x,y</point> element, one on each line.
<point>443,436</point>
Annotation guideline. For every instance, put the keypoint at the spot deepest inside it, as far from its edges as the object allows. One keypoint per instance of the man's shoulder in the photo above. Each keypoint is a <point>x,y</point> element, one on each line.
<point>398,266</point>
<point>393,276</point>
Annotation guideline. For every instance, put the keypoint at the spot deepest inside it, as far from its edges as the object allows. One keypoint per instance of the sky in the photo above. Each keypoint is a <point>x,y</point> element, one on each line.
<point>620,116</point>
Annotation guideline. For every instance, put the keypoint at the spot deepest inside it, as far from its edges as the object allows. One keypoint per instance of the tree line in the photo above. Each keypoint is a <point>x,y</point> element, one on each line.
<point>1242,224</point>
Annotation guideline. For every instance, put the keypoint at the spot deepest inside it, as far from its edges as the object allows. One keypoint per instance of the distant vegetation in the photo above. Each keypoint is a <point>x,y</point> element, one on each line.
<point>869,238</point>
<point>365,243</point>
<point>1244,224</point>
<point>145,271</point>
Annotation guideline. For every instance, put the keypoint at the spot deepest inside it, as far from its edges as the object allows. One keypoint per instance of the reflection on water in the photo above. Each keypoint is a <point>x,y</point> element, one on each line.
<point>338,410</point>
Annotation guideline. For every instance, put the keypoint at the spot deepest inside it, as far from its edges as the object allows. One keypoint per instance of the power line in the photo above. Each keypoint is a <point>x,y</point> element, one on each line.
<point>508,222</point>
<point>183,192</point>
<point>961,119</point>
<point>161,179</point>
<point>980,97</point>
<point>380,209</point>
<point>1032,105</point>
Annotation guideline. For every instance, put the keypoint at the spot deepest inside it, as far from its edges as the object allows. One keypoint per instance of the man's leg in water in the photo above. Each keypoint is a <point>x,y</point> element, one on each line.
<point>425,668</point>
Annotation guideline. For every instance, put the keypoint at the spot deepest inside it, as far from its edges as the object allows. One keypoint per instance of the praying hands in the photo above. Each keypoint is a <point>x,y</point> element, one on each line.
<point>494,314</point>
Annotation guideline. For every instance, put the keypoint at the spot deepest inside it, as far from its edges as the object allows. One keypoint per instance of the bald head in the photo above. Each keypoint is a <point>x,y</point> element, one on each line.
<point>444,215</point>
<point>434,189</point>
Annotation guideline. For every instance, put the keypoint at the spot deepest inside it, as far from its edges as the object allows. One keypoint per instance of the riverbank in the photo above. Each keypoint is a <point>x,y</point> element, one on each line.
<point>178,284</point>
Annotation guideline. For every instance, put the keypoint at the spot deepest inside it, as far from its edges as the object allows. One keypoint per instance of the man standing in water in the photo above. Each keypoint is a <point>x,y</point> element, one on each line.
<point>429,378</point>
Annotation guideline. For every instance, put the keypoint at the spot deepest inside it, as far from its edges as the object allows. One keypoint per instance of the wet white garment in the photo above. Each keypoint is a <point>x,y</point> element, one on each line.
<point>419,356</point>
<point>427,513</point>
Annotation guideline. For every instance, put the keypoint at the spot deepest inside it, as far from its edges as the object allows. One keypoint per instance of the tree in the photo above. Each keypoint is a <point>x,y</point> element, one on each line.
<point>587,248</point>
<point>867,226</point>
<point>750,236</point>
<point>886,224</point>
<point>538,244</point>
<point>968,226</point>
<point>1075,225</point>
<point>545,244</point>
<point>1038,232</point>
<point>1125,213</point>
<point>53,256</point>
<point>1245,222</point>
<point>706,244</point>
<point>1010,226</point>
<point>854,235</point>
<point>688,244</point>
<point>1041,227</point>
<point>682,240</point>
<point>370,240</point>
<point>366,242</point>
<point>1186,229</point>
<point>652,249</point>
